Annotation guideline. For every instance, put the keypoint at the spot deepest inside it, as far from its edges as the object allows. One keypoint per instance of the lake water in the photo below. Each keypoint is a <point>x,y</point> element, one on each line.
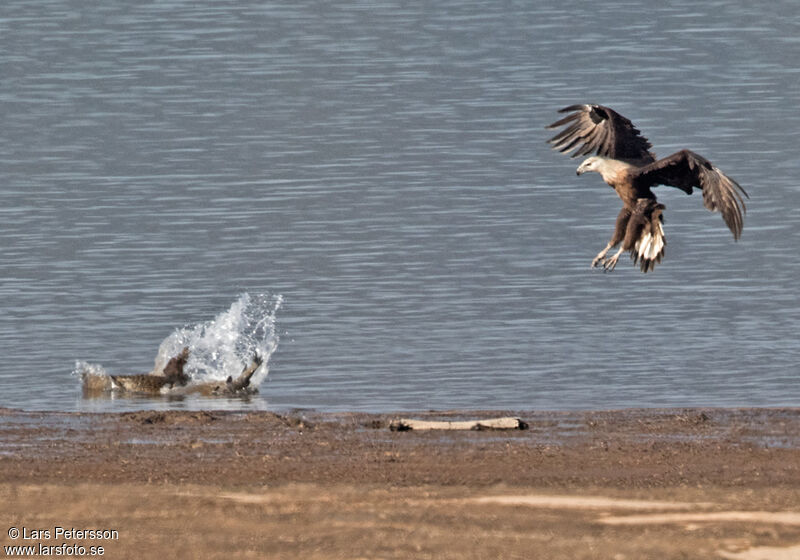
<point>382,168</point>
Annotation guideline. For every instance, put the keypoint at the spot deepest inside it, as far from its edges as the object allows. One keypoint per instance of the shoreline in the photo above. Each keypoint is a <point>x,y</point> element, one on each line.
<point>631,483</point>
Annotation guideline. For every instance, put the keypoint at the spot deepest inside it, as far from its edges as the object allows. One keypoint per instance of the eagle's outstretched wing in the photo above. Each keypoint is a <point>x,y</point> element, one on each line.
<point>685,170</point>
<point>594,128</point>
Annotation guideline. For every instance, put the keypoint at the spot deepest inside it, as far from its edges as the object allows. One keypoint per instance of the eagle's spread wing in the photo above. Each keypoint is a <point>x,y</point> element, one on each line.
<point>685,170</point>
<point>594,128</point>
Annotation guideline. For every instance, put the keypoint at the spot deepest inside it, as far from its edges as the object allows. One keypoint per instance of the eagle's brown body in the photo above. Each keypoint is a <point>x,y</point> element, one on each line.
<point>625,162</point>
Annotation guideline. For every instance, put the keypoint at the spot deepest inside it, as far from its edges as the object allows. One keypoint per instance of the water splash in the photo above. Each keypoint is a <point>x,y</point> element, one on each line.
<point>218,348</point>
<point>87,368</point>
<point>225,345</point>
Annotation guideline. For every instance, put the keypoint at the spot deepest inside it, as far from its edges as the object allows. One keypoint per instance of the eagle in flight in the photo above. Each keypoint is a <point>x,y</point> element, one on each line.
<point>623,158</point>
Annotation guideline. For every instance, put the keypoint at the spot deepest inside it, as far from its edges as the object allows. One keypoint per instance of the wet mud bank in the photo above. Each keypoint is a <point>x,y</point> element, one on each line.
<point>676,483</point>
<point>625,448</point>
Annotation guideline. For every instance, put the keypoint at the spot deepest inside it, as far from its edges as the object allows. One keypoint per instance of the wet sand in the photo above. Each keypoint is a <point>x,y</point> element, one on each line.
<point>689,483</point>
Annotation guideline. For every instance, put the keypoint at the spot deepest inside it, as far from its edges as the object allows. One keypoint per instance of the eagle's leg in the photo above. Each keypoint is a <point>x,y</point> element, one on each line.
<point>619,234</point>
<point>600,258</point>
<point>609,264</point>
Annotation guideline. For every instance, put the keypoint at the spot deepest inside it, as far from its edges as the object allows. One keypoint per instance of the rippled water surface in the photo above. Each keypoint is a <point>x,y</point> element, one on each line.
<point>382,167</point>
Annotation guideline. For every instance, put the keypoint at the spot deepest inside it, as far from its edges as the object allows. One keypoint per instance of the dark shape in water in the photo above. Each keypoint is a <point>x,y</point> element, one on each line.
<point>171,381</point>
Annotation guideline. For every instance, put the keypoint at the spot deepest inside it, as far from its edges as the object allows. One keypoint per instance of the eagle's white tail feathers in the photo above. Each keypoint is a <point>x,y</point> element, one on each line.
<point>649,248</point>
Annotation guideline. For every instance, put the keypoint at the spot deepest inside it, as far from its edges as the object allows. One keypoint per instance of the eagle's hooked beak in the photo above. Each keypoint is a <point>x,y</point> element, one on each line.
<point>582,168</point>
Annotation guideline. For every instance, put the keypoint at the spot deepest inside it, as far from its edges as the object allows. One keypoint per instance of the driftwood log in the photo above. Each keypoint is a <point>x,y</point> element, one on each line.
<point>506,423</point>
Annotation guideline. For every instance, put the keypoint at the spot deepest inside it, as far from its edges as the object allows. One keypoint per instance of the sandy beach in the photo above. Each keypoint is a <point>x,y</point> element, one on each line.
<point>678,483</point>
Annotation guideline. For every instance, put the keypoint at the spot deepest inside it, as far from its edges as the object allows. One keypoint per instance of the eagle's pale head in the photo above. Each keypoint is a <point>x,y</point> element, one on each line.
<point>594,163</point>
<point>608,168</point>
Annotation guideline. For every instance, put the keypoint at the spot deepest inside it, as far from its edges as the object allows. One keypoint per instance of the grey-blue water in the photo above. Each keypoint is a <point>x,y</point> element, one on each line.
<point>382,166</point>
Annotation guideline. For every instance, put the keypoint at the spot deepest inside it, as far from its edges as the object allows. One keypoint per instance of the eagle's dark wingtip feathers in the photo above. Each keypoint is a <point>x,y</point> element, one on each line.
<point>562,122</point>
<point>599,129</point>
<point>576,107</point>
